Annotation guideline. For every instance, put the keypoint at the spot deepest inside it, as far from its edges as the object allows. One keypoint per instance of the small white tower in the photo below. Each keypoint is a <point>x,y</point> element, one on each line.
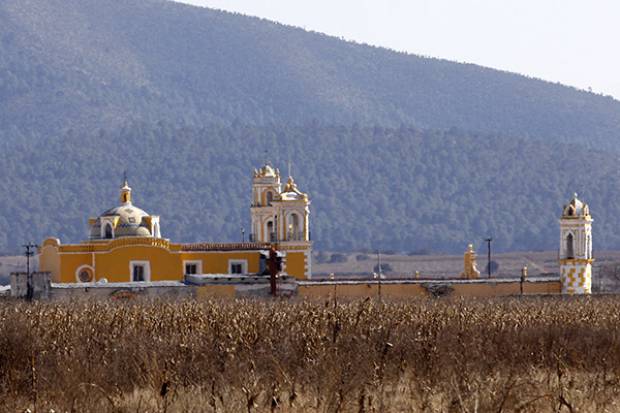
<point>576,248</point>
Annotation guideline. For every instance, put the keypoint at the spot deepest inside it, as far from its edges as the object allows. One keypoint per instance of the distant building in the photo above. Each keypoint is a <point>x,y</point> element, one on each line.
<point>576,248</point>
<point>126,243</point>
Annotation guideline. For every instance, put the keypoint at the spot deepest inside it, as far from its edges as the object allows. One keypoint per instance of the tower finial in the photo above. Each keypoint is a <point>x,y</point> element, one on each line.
<point>290,169</point>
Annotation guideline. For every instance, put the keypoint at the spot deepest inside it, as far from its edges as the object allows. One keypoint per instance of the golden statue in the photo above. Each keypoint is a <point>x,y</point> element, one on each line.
<point>469,264</point>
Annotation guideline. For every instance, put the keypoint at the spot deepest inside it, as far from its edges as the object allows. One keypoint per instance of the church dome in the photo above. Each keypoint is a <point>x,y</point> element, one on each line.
<point>575,208</point>
<point>125,220</point>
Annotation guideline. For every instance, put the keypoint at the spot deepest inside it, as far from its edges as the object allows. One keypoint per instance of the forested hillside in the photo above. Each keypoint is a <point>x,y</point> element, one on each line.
<point>88,64</point>
<point>400,189</point>
<point>397,151</point>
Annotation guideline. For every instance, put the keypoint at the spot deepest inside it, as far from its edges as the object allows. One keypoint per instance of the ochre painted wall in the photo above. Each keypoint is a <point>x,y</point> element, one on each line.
<point>49,261</point>
<point>69,263</point>
<point>114,265</point>
<point>296,264</point>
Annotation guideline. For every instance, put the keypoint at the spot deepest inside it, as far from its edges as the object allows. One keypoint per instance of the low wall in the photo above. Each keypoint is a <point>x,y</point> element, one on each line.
<point>226,285</point>
<point>163,289</point>
<point>428,288</point>
<point>240,286</point>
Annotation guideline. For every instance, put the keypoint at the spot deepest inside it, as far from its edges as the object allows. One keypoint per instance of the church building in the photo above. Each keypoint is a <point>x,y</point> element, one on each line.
<point>126,245</point>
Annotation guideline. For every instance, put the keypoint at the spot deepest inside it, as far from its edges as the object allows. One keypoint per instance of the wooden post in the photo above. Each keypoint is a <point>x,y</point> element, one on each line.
<point>272,265</point>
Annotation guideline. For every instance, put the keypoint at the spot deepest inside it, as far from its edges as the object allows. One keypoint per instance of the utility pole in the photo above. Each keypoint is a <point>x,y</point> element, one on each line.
<point>523,277</point>
<point>332,278</point>
<point>30,249</point>
<point>274,266</point>
<point>488,240</point>
<point>379,274</point>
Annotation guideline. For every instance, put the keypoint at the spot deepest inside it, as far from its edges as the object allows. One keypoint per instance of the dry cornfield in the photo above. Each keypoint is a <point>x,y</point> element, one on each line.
<point>526,355</point>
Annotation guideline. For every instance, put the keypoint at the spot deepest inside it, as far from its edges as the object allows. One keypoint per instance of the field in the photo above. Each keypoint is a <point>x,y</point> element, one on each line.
<point>528,355</point>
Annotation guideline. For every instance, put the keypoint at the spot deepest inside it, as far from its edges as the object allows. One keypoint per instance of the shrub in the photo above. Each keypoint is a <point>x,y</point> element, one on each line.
<point>527,354</point>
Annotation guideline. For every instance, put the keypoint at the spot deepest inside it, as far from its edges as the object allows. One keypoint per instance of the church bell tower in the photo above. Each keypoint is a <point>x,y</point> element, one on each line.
<point>280,215</point>
<point>576,248</point>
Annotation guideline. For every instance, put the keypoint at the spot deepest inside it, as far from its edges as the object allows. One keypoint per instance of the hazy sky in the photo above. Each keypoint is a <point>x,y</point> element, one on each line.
<point>575,42</point>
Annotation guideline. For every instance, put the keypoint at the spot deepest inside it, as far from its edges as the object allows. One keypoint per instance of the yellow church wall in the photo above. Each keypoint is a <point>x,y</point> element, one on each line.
<point>115,265</point>
<point>69,263</point>
<point>217,262</point>
<point>49,261</point>
<point>296,264</point>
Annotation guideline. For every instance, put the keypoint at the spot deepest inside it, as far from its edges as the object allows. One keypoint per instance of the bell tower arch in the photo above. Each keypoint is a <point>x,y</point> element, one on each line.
<point>266,188</point>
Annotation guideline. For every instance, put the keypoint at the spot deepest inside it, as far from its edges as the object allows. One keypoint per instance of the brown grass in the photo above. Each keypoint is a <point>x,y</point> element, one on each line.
<point>531,355</point>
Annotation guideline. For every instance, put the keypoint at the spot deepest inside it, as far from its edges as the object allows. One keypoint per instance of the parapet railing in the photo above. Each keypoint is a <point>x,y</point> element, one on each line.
<point>219,246</point>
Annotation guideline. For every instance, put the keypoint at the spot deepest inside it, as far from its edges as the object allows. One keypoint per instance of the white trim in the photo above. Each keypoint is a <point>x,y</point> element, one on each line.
<point>244,266</point>
<point>171,252</point>
<point>147,270</point>
<point>84,267</point>
<point>198,264</point>
<point>267,233</point>
<point>308,268</point>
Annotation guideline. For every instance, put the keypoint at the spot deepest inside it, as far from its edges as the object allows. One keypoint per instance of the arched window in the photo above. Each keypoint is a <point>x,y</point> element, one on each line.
<point>108,231</point>
<point>271,235</point>
<point>269,197</point>
<point>570,250</point>
<point>588,247</point>
<point>294,228</point>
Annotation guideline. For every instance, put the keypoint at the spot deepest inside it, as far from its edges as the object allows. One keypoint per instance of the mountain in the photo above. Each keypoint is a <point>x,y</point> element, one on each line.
<point>86,64</point>
<point>396,151</point>
<point>400,189</point>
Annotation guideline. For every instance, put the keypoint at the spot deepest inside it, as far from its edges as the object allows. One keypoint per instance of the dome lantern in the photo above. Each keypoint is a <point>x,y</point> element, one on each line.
<point>125,196</point>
